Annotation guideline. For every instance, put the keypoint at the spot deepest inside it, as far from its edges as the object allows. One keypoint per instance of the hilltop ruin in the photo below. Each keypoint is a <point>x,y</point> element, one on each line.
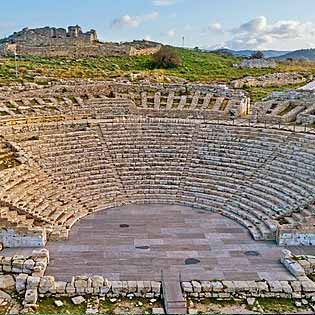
<point>73,42</point>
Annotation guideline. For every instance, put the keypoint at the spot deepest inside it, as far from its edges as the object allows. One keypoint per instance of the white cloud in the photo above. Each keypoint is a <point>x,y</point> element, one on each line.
<point>134,21</point>
<point>171,33</point>
<point>215,27</point>
<point>148,38</point>
<point>258,33</point>
<point>163,2</point>
<point>256,25</point>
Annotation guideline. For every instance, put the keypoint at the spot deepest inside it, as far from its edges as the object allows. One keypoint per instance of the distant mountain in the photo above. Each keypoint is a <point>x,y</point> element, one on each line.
<point>307,54</point>
<point>248,53</point>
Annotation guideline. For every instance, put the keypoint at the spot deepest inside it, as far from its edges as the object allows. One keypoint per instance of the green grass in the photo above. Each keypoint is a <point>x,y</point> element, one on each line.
<point>258,93</point>
<point>107,307</point>
<point>47,306</point>
<point>278,306</point>
<point>197,67</point>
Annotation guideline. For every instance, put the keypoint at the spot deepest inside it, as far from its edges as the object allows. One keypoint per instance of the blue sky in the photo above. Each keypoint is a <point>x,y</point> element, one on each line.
<point>238,24</point>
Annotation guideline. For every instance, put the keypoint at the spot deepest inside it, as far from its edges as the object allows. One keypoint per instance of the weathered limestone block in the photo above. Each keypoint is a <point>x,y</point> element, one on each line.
<point>132,286</point>
<point>187,287</point>
<point>125,287</point>
<point>32,282</point>
<point>117,287</point>
<point>28,266</point>
<point>7,283</point>
<point>40,266</point>
<point>60,287</point>
<point>31,297</point>
<point>286,288</point>
<point>146,287</point>
<point>40,253</point>
<point>262,286</point>
<point>106,287</point>
<point>156,288</point>
<point>240,286</point>
<point>275,286</point>
<point>81,283</point>
<point>296,286</point>
<point>140,288</point>
<point>17,265</point>
<point>21,281</point>
<point>77,300</point>
<point>293,266</point>
<point>196,286</point>
<point>47,285</point>
<point>252,286</point>
<point>70,289</point>
<point>228,286</point>
<point>217,286</point>
<point>7,264</point>
<point>97,281</point>
<point>308,286</point>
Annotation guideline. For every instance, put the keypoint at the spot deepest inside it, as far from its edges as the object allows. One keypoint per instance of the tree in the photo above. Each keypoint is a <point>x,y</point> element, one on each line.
<point>167,57</point>
<point>257,55</point>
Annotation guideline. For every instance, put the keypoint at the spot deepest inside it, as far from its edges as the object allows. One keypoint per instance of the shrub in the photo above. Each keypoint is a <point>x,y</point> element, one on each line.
<point>257,55</point>
<point>166,58</point>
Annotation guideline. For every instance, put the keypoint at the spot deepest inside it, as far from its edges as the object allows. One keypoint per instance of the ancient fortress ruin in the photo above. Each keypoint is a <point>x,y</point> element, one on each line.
<point>59,42</point>
<point>143,190</point>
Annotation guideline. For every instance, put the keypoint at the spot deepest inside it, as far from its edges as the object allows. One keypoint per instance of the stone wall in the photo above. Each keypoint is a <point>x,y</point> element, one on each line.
<point>257,63</point>
<point>289,106</point>
<point>268,80</point>
<point>88,50</point>
<point>52,36</point>
<point>294,289</point>
<point>57,42</point>
<point>16,237</point>
<point>296,236</point>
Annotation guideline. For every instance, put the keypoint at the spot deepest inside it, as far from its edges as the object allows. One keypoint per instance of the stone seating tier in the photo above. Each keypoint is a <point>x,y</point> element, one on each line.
<point>260,177</point>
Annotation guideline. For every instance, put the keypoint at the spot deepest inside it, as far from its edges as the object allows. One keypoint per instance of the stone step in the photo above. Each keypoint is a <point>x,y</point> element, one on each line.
<point>174,301</point>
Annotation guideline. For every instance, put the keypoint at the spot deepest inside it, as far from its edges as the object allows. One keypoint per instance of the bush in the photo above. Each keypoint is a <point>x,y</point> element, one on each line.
<point>258,55</point>
<point>166,58</point>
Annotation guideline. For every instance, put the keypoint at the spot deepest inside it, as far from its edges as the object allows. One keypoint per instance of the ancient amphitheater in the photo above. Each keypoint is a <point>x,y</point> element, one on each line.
<point>152,190</point>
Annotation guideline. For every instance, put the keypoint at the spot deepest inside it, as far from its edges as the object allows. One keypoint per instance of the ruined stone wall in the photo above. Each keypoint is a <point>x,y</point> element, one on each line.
<point>256,63</point>
<point>296,237</point>
<point>51,36</point>
<point>71,50</point>
<point>276,79</point>
<point>58,42</point>
<point>15,238</point>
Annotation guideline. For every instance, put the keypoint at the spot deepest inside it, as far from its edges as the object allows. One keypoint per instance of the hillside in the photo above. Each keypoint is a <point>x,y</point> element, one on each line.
<point>248,53</point>
<point>306,54</point>
<point>197,66</point>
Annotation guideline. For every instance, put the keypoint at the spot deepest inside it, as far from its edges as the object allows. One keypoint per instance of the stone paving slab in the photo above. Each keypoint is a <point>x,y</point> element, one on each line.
<point>163,237</point>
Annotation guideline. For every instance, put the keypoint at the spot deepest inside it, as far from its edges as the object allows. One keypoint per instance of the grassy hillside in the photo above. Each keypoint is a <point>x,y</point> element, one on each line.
<point>197,66</point>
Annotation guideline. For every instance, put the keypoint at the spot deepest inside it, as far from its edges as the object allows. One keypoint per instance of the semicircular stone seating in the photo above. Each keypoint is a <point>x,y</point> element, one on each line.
<point>261,177</point>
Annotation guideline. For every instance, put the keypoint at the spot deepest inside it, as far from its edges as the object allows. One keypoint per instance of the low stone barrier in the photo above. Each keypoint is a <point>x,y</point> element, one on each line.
<point>34,265</point>
<point>243,289</point>
<point>32,287</point>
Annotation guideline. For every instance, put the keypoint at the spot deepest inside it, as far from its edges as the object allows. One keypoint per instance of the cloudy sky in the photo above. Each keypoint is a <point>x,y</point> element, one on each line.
<point>236,24</point>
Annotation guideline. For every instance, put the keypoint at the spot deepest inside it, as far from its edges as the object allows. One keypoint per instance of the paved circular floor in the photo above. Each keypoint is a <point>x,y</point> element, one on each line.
<point>138,242</point>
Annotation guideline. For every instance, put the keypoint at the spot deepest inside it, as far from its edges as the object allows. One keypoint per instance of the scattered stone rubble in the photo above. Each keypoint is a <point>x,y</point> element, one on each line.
<point>256,63</point>
<point>292,106</point>
<point>270,80</point>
